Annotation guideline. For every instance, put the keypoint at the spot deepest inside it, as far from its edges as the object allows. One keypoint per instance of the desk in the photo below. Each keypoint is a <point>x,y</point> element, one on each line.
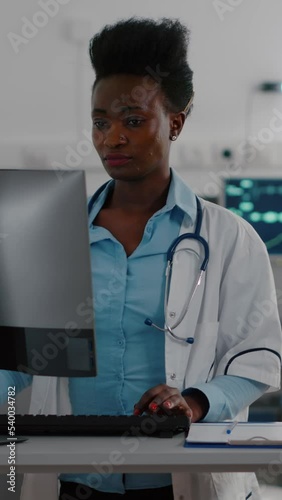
<point>133,454</point>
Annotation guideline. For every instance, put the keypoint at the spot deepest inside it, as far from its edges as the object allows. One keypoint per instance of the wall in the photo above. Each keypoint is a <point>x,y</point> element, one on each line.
<point>45,94</point>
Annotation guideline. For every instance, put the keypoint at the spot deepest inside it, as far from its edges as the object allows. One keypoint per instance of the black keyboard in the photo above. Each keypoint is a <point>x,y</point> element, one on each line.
<point>97,425</point>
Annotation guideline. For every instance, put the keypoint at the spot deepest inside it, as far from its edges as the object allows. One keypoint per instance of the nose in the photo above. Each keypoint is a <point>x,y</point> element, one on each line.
<point>113,137</point>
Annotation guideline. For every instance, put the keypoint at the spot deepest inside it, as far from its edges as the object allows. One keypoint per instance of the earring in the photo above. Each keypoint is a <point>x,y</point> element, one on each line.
<point>174,137</point>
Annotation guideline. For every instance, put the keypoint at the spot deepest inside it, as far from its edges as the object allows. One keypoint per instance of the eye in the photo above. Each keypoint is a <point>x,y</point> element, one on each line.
<point>134,122</point>
<point>99,124</point>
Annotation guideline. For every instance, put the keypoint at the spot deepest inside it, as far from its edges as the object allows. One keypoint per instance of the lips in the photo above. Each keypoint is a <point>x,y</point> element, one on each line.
<point>117,159</point>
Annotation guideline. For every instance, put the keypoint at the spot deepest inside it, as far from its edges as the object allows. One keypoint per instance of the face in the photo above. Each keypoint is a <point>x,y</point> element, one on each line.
<point>131,128</point>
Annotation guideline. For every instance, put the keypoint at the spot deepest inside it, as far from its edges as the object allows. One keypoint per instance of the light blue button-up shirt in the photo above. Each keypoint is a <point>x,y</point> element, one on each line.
<point>130,354</point>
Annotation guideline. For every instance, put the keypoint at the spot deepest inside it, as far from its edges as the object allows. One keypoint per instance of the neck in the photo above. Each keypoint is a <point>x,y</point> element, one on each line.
<point>141,196</point>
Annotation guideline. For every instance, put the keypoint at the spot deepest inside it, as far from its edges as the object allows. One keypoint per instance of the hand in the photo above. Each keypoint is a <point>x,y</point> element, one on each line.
<point>163,399</point>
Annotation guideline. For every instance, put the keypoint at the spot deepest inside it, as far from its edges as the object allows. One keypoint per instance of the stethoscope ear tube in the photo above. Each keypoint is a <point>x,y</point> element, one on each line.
<point>149,322</point>
<point>188,340</point>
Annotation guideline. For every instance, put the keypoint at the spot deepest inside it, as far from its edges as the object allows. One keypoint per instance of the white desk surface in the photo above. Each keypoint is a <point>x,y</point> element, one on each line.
<point>132,454</point>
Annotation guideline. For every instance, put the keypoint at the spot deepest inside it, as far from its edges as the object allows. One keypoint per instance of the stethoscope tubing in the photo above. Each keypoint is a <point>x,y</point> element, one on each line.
<point>170,255</point>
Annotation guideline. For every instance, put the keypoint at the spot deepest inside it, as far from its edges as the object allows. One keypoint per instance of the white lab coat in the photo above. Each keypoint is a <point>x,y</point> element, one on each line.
<point>234,320</point>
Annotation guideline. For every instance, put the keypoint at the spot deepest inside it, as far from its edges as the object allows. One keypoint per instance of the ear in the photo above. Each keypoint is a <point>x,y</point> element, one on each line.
<point>177,121</point>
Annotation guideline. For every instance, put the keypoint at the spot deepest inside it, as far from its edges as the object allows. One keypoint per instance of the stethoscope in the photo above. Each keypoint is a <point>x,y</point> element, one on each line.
<point>170,254</point>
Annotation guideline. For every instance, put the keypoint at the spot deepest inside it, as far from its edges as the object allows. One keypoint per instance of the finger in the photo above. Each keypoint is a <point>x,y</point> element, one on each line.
<point>177,404</point>
<point>166,394</point>
<point>148,398</point>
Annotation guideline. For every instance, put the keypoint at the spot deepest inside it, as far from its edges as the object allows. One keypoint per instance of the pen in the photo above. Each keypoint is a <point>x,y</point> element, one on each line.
<point>230,429</point>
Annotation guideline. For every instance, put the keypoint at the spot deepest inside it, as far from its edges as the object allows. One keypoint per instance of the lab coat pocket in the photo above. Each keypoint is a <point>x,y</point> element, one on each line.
<point>215,486</point>
<point>200,367</point>
<point>238,486</point>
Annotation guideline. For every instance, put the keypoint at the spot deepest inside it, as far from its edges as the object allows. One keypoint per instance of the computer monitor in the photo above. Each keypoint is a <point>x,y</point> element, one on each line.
<point>259,201</point>
<point>46,306</point>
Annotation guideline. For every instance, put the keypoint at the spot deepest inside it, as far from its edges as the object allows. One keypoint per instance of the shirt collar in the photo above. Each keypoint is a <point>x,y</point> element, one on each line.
<point>179,195</point>
<point>182,196</point>
<point>100,200</point>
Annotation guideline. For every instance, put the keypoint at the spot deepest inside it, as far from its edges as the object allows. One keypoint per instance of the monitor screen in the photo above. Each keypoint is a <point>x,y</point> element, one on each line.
<point>259,201</point>
<point>46,306</point>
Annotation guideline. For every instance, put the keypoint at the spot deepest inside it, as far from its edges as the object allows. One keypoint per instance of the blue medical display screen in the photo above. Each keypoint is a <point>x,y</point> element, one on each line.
<point>259,201</point>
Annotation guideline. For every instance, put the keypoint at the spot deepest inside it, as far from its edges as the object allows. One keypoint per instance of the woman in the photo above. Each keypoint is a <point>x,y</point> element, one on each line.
<point>207,366</point>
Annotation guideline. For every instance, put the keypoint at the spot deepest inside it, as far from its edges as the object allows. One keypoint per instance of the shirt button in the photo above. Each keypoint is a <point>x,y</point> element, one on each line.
<point>120,342</point>
<point>172,314</point>
<point>173,376</point>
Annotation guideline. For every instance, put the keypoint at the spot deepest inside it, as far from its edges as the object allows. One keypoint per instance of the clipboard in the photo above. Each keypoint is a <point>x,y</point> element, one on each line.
<point>236,434</point>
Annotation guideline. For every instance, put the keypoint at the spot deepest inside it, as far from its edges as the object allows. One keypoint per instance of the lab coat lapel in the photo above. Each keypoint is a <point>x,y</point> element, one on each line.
<point>185,269</point>
<point>187,262</point>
